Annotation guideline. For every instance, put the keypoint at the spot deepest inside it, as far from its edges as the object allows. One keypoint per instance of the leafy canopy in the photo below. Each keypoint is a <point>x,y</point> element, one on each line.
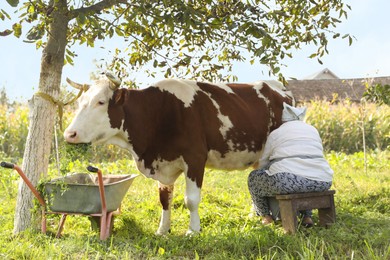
<point>193,38</point>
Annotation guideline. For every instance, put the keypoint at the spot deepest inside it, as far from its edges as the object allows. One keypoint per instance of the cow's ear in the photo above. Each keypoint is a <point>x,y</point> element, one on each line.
<point>119,96</point>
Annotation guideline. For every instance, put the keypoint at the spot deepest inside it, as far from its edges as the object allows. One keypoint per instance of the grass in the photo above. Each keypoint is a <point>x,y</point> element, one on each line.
<point>362,230</point>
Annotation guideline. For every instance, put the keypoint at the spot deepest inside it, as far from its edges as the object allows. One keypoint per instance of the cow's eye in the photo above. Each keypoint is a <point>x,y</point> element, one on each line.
<point>101,102</point>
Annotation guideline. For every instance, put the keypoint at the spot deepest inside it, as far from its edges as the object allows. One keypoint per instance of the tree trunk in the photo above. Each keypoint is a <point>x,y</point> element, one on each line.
<point>42,116</point>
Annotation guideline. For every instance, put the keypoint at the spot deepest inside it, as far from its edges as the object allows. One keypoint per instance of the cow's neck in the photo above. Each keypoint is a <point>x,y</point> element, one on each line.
<point>140,122</point>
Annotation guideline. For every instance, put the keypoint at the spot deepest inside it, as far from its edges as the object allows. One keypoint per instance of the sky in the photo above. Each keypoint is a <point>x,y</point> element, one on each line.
<point>368,56</point>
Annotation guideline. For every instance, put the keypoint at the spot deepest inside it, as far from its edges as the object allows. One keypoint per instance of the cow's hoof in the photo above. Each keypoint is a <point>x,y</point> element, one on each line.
<point>162,232</point>
<point>191,233</point>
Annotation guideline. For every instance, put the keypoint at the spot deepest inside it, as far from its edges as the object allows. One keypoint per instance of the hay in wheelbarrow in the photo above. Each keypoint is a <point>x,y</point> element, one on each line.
<point>79,193</point>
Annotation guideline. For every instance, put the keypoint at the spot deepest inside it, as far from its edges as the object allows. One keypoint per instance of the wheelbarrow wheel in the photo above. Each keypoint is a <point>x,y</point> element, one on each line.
<point>95,224</point>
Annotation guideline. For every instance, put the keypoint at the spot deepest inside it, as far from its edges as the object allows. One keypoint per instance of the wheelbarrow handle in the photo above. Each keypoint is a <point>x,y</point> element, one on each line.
<point>7,165</point>
<point>92,169</point>
<point>103,221</point>
<point>32,188</point>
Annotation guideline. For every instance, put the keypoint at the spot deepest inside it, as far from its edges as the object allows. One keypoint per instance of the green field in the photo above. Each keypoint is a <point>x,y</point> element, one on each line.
<point>229,231</point>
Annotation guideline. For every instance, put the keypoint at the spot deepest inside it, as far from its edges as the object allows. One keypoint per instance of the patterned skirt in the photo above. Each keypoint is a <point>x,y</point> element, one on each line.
<point>263,186</point>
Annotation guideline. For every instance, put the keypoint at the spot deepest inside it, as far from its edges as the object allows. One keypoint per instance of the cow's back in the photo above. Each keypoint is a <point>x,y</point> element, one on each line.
<point>244,119</point>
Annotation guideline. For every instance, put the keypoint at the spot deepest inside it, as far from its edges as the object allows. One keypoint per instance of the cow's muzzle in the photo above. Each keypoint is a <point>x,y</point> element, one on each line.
<point>71,136</point>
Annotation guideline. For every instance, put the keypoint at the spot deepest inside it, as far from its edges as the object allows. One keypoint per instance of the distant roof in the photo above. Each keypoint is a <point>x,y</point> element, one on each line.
<point>323,74</point>
<point>326,89</point>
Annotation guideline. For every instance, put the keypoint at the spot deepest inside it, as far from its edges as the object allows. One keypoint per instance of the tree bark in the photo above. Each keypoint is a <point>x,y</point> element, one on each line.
<point>42,116</point>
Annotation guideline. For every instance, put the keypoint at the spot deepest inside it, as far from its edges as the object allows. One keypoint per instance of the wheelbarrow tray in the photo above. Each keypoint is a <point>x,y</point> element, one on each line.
<point>79,193</point>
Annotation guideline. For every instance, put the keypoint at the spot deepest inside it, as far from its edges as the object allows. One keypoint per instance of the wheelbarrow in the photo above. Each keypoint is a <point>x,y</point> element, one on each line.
<point>81,194</point>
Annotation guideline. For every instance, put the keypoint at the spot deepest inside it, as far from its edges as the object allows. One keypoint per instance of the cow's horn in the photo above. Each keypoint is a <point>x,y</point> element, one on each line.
<point>117,82</point>
<point>77,85</point>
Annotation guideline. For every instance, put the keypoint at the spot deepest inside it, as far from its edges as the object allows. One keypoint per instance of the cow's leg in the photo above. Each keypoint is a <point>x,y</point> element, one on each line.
<point>194,172</point>
<point>166,195</point>
<point>192,200</point>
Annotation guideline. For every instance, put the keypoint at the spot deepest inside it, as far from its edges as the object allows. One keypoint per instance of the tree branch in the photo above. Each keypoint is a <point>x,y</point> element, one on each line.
<point>96,8</point>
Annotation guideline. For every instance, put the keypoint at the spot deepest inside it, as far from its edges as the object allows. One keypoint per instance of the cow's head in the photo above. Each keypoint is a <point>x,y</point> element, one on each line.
<point>91,123</point>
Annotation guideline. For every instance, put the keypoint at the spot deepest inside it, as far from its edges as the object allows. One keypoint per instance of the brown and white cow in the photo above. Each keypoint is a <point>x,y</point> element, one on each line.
<point>180,126</point>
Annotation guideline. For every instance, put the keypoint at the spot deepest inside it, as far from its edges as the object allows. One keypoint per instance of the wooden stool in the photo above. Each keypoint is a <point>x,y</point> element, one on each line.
<point>290,204</point>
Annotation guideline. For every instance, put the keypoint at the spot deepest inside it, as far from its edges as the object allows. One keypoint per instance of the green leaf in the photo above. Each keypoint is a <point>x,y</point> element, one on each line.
<point>118,31</point>
<point>90,42</point>
<point>69,59</point>
<point>81,19</point>
<point>168,73</point>
<point>13,3</point>
<point>5,15</point>
<point>5,32</point>
<point>35,33</point>
<point>70,53</point>
<point>38,44</point>
<point>17,27</point>
<point>196,255</point>
<point>275,70</point>
<point>31,9</point>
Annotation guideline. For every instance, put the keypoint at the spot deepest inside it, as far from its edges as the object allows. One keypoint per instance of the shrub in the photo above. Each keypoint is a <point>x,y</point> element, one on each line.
<point>13,130</point>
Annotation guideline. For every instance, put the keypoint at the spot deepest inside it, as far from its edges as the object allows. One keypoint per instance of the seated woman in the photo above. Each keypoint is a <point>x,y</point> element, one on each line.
<point>292,162</point>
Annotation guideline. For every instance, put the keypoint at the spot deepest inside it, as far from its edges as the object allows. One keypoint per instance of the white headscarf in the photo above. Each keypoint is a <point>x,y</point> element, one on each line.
<point>291,113</point>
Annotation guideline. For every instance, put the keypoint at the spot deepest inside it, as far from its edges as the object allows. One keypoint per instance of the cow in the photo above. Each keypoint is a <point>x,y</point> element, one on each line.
<point>180,126</point>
